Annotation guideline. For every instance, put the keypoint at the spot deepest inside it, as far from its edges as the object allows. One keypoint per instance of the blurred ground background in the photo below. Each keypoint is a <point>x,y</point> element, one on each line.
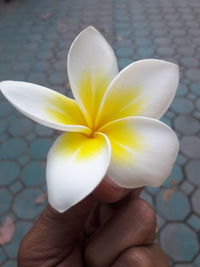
<point>34,40</point>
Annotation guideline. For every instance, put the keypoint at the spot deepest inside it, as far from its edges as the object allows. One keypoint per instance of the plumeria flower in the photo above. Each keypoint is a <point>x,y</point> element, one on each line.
<point>111,127</point>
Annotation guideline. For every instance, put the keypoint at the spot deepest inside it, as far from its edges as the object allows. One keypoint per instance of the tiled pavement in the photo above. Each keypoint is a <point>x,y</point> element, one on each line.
<point>34,39</point>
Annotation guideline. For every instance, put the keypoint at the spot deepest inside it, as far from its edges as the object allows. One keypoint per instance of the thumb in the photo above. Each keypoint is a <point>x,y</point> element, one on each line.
<point>54,233</point>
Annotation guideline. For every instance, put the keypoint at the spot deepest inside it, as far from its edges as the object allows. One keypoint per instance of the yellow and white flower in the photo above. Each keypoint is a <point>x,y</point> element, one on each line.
<point>112,125</point>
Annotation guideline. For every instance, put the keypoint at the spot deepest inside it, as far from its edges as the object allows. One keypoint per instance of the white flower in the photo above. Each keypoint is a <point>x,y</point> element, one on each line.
<point>112,125</point>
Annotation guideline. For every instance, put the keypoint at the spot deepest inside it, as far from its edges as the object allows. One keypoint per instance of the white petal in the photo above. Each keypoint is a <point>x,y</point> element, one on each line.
<point>143,151</point>
<point>44,106</point>
<point>76,164</point>
<point>144,88</point>
<point>91,67</point>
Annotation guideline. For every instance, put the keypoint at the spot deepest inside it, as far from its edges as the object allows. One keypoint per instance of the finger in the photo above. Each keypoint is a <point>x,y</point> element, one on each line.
<point>98,216</point>
<point>133,224</point>
<point>134,194</point>
<point>105,213</point>
<point>101,213</point>
<point>109,192</point>
<point>54,233</point>
<point>146,256</point>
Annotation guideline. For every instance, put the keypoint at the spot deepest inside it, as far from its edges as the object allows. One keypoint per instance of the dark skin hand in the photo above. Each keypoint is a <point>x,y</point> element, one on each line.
<point>95,234</point>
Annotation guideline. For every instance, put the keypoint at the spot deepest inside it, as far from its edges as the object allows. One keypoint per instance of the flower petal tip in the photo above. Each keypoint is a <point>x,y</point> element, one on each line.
<point>57,208</point>
<point>90,28</point>
<point>76,164</point>
<point>159,61</point>
<point>2,84</point>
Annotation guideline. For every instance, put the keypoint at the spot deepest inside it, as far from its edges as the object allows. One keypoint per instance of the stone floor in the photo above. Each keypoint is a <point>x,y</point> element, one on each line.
<point>34,39</point>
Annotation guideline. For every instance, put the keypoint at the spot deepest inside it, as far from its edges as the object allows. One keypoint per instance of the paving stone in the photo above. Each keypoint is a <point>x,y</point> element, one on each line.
<point>9,172</point>
<point>195,32</point>
<point>42,55</point>
<point>16,187</point>
<point>189,62</point>
<point>124,33</point>
<point>194,222</point>
<point>2,256</point>
<point>190,146</point>
<point>69,93</point>
<point>181,159</point>
<point>160,221</point>
<point>18,76</point>
<point>143,42</point>
<point>182,90</point>
<point>58,78</point>
<point>5,200</point>
<point>197,114</point>
<point>151,190</point>
<point>195,87</point>
<point>196,40</point>
<point>147,197</point>
<point>37,78</point>
<point>170,114</point>
<point>3,138</point>
<point>163,41</point>
<point>170,206</point>
<point>24,204</point>
<point>196,201</point>
<point>193,74</point>
<point>20,127</point>
<point>41,66</point>
<point>140,32</point>
<point>21,66</point>
<point>176,176</point>
<point>145,52</point>
<point>186,51</point>
<point>185,244</point>
<point>12,148</point>
<point>178,32</point>
<point>197,261</point>
<point>186,187</point>
<point>22,228</point>
<point>39,148</point>
<point>185,81</point>
<point>60,65</point>
<point>61,54</point>
<point>33,174</point>
<point>3,125</point>
<point>182,106</point>
<point>30,137</point>
<point>25,56</point>
<point>198,104</point>
<point>192,24</point>
<point>2,98</point>
<point>192,171</point>
<point>165,51</point>
<point>124,62</point>
<point>124,52</point>
<point>121,25</point>
<point>10,264</point>
<point>24,159</point>
<point>43,131</point>
<point>166,121</point>
<point>184,265</point>
<point>191,97</point>
<point>186,124</point>
<point>6,109</point>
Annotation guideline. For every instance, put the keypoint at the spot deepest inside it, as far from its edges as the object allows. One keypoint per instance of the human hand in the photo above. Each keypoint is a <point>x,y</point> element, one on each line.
<point>93,234</point>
